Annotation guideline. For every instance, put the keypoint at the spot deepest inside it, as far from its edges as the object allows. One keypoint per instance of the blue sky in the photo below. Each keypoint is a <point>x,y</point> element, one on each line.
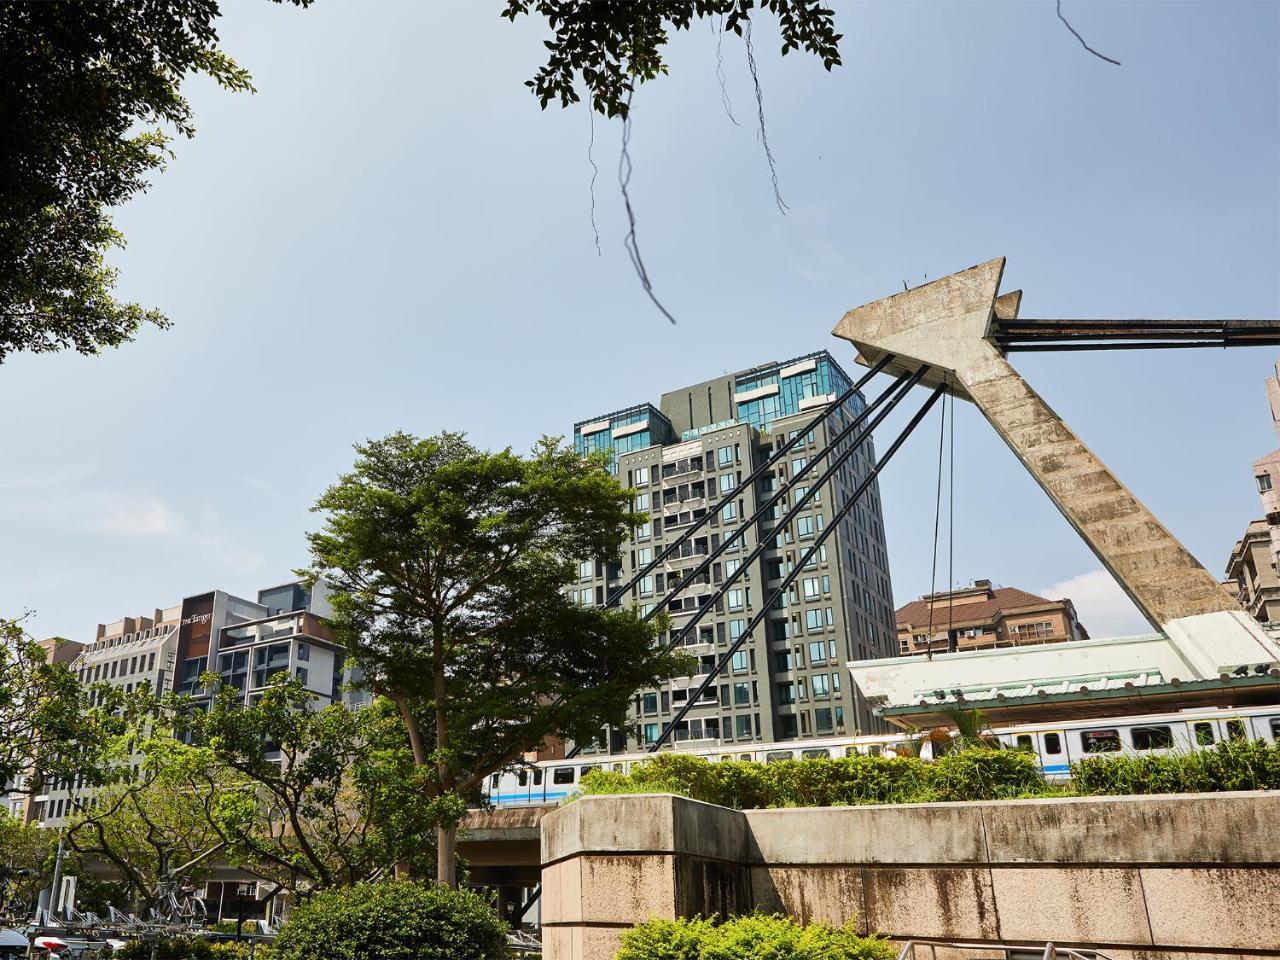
<point>391,235</point>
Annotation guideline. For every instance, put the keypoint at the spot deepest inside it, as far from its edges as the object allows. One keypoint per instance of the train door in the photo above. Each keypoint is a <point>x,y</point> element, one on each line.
<point>1054,758</point>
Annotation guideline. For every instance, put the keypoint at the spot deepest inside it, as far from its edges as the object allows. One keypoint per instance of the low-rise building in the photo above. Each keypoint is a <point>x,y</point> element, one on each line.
<point>983,617</point>
<point>1251,573</point>
<point>247,642</point>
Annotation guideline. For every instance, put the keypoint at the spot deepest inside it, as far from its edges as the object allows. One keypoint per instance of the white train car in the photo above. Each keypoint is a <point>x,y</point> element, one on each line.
<point>1057,745</point>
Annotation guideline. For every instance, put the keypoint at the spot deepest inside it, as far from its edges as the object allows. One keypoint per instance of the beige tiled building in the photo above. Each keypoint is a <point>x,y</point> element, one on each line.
<point>1252,566</point>
<point>982,617</point>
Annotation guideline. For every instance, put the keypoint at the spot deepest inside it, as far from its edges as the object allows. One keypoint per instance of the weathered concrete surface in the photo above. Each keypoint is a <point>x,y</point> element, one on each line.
<point>503,846</point>
<point>946,324</point>
<point>1144,878</point>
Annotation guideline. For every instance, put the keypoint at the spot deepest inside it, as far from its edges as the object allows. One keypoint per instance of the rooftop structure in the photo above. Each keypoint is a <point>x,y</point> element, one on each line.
<point>983,616</point>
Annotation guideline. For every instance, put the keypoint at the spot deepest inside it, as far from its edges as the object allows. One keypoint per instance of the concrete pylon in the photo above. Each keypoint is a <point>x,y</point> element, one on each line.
<point>948,324</point>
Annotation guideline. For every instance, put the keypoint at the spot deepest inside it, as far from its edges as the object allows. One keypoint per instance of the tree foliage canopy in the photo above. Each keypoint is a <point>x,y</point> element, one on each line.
<point>51,727</point>
<point>310,797</point>
<point>449,566</point>
<point>611,46</point>
<point>87,91</point>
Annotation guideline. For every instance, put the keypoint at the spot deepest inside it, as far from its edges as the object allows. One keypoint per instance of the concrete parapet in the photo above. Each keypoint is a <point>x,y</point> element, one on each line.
<point>1143,878</point>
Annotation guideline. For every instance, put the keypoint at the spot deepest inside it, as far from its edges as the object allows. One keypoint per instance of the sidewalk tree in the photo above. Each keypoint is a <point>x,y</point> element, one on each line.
<point>308,797</point>
<point>449,566</point>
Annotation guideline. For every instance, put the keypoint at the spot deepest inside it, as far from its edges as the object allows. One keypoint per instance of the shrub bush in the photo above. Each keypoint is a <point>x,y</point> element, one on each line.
<point>1231,765</point>
<point>755,937</point>
<point>239,950</point>
<point>172,948</point>
<point>973,774</point>
<point>985,774</point>
<point>397,920</point>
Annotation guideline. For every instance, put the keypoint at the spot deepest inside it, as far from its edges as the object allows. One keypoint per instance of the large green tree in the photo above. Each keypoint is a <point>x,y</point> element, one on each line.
<point>304,796</point>
<point>449,565</point>
<point>89,96</point>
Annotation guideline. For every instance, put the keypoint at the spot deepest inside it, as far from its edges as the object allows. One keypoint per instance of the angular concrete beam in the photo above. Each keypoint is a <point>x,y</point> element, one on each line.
<point>948,324</point>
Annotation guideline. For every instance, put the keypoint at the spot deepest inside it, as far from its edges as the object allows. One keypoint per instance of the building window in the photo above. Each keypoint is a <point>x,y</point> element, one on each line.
<point>813,620</point>
<point>727,482</point>
<point>810,587</point>
<point>644,531</point>
<point>736,628</point>
<point>642,476</point>
<point>820,689</point>
<point>786,693</point>
<point>304,652</point>
<point>724,456</point>
<point>741,693</point>
<point>734,598</point>
<point>651,731</point>
<point>642,502</point>
<point>797,465</point>
<point>730,511</point>
<point>739,662</point>
<point>817,652</point>
<point>804,527</point>
<point>822,719</point>
<point>646,586</point>
<point>1264,482</point>
<point>742,727</point>
<point>649,702</point>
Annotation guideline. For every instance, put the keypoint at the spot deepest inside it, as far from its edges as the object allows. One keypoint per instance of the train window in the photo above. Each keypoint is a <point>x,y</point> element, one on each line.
<point>493,781</point>
<point>1052,743</point>
<point>583,771</point>
<point>1204,734</point>
<point>744,757</point>
<point>617,768</point>
<point>811,754</point>
<point>537,776</point>
<point>850,751</point>
<point>1275,728</point>
<point>1152,738</point>
<point>1025,742</point>
<point>522,778</point>
<point>1235,729</point>
<point>562,775</point>
<point>773,756</point>
<point>724,757</point>
<point>874,750</point>
<point>1100,741</point>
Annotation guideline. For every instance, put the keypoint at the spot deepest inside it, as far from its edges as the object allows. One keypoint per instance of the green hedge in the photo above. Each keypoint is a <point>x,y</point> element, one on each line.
<point>1231,765</point>
<point>754,937</point>
<point>975,773</point>
<point>172,948</point>
<point>397,920</point>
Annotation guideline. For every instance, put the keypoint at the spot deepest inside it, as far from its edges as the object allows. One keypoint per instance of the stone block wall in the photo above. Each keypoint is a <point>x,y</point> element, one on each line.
<point>1143,878</point>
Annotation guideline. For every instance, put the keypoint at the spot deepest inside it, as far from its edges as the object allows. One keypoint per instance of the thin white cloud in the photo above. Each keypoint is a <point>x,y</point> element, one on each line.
<point>152,518</point>
<point>1103,608</point>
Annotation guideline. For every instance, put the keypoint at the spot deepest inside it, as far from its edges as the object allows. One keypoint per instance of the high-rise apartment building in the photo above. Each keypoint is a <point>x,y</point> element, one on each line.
<point>788,681</point>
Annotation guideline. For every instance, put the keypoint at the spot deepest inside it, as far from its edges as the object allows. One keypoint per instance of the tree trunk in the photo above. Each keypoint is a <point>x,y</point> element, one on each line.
<point>446,856</point>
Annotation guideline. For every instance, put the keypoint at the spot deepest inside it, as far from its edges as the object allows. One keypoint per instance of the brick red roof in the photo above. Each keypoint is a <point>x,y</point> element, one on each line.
<point>916,613</point>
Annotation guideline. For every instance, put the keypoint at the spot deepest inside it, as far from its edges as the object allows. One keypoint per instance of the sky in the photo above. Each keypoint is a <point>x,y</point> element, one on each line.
<point>391,235</point>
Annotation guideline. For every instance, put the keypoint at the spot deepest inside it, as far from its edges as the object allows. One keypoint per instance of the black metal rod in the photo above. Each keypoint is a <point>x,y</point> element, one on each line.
<point>1177,345</point>
<point>798,569</point>
<point>899,388</point>
<point>755,475</point>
